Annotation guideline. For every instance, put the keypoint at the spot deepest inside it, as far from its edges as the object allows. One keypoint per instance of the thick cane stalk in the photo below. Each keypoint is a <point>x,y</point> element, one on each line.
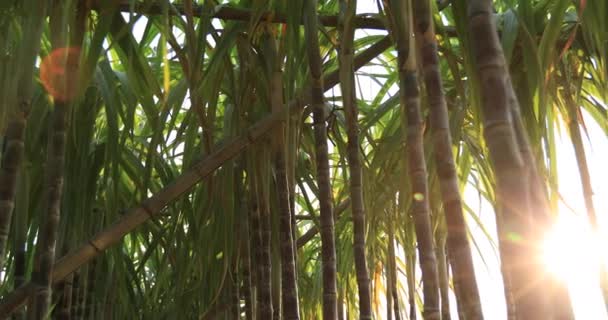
<point>289,285</point>
<point>459,250</point>
<point>410,104</point>
<point>15,132</point>
<point>347,85</point>
<point>328,247</point>
<point>518,245</point>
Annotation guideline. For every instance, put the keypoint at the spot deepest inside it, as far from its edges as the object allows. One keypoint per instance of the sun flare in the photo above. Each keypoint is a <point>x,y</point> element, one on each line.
<point>569,247</point>
<point>574,253</point>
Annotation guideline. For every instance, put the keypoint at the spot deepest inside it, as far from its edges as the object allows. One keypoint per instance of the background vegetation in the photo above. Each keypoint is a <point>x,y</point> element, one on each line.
<point>162,157</point>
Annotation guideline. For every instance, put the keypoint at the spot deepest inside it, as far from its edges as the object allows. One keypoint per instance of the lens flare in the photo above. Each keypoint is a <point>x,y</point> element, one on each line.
<point>574,253</point>
<point>570,246</point>
<point>59,73</point>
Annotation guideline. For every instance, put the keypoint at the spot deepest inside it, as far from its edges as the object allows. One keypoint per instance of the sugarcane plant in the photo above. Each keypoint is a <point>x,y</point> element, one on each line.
<point>298,159</point>
<point>409,94</point>
<point>459,249</point>
<point>328,247</point>
<point>349,100</point>
<point>13,144</point>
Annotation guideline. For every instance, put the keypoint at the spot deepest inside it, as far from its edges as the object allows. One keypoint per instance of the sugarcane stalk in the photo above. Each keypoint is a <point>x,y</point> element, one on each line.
<point>349,98</point>
<point>328,247</point>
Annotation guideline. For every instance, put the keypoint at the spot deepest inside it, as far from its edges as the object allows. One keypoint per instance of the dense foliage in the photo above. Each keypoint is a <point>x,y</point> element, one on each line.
<point>184,159</point>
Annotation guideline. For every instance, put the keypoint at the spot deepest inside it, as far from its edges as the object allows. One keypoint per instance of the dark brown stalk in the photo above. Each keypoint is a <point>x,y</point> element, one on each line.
<point>153,205</point>
<point>411,284</point>
<point>410,104</point>
<point>80,296</point>
<point>341,305</point>
<point>420,208</point>
<point>328,247</point>
<point>458,243</point>
<point>264,285</point>
<point>263,259</point>
<point>57,298</point>
<point>15,132</point>
<point>246,253</point>
<point>276,280</point>
<point>235,302</point>
<point>517,240</point>
<point>90,303</point>
<point>54,185</point>
<point>392,271</point>
<point>388,293</point>
<point>21,214</point>
<point>76,294</point>
<point>396,307</point>
<point>349,98</point>
<point>62,294</point>
<point>289,286</point>
<point>255,240</point>
<point>65,308</point>
<point>246,290</point>
<point>444,280</point>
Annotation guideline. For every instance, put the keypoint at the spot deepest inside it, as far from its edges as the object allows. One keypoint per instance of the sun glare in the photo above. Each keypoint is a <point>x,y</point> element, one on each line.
<point>568,247</point>
<point>574,253</point>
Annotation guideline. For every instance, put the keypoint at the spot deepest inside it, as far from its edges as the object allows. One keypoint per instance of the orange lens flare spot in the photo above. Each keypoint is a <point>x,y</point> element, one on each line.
<point>59,73</point>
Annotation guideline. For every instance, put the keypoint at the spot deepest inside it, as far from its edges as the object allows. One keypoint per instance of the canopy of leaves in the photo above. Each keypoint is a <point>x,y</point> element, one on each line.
<point>165,84</point>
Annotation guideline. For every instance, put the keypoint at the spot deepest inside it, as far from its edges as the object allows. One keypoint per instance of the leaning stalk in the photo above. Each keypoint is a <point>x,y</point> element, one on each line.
<point>458,243</point>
